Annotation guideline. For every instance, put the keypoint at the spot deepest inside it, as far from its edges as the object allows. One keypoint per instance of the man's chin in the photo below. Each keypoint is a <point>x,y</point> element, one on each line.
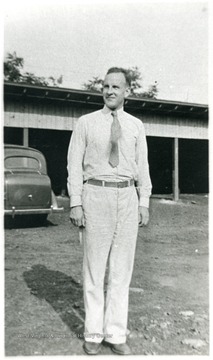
<point>110,105</point>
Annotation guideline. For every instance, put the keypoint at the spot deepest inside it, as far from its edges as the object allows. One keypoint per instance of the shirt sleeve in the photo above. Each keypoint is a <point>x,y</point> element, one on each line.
<point>144,185</point>
<point>75,158</point>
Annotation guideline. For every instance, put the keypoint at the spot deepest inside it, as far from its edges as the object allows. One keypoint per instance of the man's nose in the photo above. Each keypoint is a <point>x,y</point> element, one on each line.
<point>110,90</point>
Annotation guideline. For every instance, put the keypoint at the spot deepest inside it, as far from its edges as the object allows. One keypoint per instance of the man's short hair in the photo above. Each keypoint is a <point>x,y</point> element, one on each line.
<point>121,70</point>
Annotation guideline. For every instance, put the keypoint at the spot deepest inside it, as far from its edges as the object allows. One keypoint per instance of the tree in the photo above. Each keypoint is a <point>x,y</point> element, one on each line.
<point>13,71</point>
<point>136,89</point>
<point>152,92</point>
<point>95,85</point>
<point>12,67</point>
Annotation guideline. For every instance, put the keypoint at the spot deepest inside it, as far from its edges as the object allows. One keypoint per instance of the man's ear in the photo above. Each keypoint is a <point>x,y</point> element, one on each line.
<point>127,92</point>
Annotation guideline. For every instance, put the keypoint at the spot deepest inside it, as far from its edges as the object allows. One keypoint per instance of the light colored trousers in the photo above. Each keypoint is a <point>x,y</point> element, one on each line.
<point>110,234</point>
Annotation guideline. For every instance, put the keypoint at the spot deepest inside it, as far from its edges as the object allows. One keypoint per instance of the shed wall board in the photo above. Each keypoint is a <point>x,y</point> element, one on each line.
<point>62,116</point>
<point>169,128</point>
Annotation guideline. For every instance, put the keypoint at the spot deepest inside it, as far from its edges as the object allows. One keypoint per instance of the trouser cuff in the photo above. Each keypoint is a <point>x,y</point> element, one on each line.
<point>93,337</point>
<point>116,339</point>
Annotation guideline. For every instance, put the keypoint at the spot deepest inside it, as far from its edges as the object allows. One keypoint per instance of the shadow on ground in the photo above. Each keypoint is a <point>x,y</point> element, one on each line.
<point>62,292</point>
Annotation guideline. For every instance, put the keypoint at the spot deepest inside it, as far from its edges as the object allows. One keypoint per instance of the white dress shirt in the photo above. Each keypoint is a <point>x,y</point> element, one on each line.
<point>89,151</point>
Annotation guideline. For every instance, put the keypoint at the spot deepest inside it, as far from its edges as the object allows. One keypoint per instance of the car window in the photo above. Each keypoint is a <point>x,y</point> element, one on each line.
<point>20,162</point>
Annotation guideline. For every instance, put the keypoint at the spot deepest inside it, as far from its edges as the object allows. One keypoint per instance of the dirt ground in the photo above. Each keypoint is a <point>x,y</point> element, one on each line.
<point>168,309</point>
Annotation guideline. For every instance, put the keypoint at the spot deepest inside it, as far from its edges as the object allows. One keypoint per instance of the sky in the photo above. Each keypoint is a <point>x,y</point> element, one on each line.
<point>167,40</point>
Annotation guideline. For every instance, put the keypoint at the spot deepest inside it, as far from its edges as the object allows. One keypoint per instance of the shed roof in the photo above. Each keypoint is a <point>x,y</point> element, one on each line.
<point>87,98</point>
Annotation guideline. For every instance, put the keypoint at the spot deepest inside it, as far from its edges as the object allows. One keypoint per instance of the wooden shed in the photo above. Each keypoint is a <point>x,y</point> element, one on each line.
<point>43,117</point>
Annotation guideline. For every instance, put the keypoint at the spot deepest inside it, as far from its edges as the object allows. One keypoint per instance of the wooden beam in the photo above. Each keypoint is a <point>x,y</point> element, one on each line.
<point>176,170</point>
<point>26,136</point>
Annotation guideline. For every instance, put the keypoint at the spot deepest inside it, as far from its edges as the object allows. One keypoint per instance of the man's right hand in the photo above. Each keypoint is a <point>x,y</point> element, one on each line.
<point>77,216</point>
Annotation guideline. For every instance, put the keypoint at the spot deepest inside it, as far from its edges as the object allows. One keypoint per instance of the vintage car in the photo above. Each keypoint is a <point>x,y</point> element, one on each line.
<point>27,187</point>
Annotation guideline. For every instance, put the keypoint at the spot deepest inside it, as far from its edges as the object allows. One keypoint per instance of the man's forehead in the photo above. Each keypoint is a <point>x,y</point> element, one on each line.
<point>115,78</point>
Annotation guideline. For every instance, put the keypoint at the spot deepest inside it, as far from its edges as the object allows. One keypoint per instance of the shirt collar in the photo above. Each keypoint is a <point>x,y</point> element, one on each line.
<point>107,111</point>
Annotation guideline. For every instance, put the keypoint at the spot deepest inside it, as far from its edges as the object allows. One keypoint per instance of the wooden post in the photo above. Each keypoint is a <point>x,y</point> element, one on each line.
<point>176,170</point>
<point>25,136</point>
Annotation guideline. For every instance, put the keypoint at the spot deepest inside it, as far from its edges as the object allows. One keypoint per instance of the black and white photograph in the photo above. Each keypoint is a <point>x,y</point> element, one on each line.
<point>105,150</point>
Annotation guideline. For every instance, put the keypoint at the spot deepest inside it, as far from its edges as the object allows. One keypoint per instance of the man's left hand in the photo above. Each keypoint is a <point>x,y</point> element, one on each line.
<point>143,216</point>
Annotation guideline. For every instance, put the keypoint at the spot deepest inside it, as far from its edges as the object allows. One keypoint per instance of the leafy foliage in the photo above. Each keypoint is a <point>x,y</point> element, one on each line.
<point>95,85</point>
<point>136,89</point>
<point>13,71</point>
<point>12,67</point>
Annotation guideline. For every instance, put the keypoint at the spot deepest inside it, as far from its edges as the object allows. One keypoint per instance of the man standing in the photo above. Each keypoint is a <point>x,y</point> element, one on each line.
<point>107,158</point>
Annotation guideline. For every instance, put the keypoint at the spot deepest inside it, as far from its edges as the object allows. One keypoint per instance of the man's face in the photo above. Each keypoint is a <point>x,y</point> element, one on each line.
<point>115,90</point>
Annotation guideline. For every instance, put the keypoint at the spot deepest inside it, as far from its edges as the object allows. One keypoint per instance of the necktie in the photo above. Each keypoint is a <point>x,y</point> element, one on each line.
<point>115,134</point>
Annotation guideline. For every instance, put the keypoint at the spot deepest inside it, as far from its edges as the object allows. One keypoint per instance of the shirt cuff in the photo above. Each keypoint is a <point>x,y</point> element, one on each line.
<point>75,200</point>
<point>144,201</point>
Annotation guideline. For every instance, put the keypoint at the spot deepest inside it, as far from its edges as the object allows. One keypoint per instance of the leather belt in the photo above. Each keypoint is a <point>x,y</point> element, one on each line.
<point>119,184</point>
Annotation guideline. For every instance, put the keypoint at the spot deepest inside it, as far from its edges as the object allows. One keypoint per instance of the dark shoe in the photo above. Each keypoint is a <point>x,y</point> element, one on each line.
<point>91,348</point>
<point>121,349</point>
